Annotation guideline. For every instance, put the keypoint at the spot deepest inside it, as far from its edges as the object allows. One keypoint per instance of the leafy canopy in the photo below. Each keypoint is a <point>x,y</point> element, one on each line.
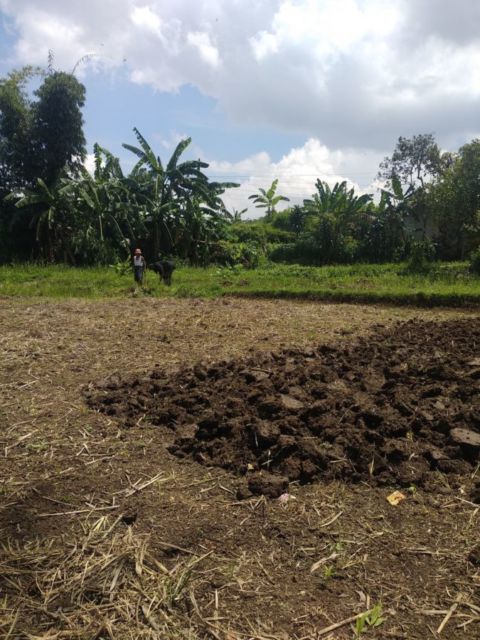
<point>414,162</point>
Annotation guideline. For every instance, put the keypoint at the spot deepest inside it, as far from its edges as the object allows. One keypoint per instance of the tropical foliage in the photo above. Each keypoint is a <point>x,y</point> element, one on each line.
<point>52,209</point>
<point>429,208</point>
<point>268,199</point>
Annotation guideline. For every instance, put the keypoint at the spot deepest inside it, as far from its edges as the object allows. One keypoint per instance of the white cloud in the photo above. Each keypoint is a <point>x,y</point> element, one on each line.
<point>89,163</point>
<point>297,172</point>
<point>201,41</point>
<point>145,18</point>
<point>264,44</point>
<point>352,73</point>
<point>170,142</point>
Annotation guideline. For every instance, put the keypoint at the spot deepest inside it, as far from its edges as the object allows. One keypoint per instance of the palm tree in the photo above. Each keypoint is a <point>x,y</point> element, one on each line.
<point>268,199</point>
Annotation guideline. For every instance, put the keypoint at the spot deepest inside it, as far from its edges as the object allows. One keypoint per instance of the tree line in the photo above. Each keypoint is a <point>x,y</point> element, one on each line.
<point>52,209</point>
<point>429,203</point>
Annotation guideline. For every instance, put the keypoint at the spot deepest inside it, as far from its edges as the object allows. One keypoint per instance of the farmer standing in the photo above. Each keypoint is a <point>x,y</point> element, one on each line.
<point>139,266</point>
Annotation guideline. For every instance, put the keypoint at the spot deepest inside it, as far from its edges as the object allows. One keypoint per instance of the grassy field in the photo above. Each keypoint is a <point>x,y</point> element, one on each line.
<point>446,284</point>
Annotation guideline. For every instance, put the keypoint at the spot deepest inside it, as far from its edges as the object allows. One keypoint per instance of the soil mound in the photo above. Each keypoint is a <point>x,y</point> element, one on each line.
<point>391,407</point>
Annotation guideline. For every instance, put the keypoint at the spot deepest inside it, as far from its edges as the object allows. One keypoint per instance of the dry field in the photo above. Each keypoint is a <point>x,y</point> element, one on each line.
<point>107,535</point>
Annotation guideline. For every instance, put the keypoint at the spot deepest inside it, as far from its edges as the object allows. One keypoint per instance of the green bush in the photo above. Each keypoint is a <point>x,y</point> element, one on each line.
<point>421,257</point>
<point>246,254</point>
<point>259,232</point>
<point>313,251</point>
<point>304,252</point>
<point>474,266</point>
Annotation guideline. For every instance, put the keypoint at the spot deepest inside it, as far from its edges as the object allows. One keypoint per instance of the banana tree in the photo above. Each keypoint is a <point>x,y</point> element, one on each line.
<point>339,200</point>
<point>397,198</point>
<point>107,166</point>
<point>333,216</point>
<point>46,208</point>
<point>107,214</point>
<point>268,199</point>
<point>162,190</point>
<point>235,215</point>
<point>124,195</point>
<point>111,200</point>
<point>202,222</point>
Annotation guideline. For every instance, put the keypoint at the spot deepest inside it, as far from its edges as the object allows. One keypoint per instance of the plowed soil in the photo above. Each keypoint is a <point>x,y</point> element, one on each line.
<point>392,408</point>
<point>116,522</point>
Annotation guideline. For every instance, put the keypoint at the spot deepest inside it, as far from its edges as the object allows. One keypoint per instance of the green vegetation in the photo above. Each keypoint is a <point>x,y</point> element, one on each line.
<point>53,210</point>
<point>268,199</point>
<point>475,262</point>
<point>448,284</point>
<point>370,619</point>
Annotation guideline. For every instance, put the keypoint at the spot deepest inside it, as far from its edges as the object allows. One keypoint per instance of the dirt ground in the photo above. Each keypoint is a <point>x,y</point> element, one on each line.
<point>119,524</point>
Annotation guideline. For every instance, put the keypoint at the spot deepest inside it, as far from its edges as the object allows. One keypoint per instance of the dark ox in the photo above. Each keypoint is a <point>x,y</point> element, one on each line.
<point>164,268</point>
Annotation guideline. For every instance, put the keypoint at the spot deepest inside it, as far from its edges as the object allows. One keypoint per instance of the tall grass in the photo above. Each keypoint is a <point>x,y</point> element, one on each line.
<point>446,284</point>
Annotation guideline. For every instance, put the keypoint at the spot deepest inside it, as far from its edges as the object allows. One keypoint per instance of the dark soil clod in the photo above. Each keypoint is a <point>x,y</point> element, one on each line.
<point>392,407</point>
<point>267,484</point>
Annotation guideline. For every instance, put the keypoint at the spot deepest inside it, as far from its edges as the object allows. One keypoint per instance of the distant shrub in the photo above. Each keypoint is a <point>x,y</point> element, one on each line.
<point>261,233</point>
<point>246,254</point>
<point>122,268</point>
<point>474,266</point>
<point>312,251</point>
<point>421,256</point>
<point>304,252</point>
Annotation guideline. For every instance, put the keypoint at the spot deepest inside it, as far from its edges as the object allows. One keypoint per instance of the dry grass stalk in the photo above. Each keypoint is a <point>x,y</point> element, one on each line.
<point>450,613</point>
<point>108,584</point>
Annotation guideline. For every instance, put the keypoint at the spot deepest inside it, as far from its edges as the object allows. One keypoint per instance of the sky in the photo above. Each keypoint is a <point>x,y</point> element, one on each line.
<point>289,89</point>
